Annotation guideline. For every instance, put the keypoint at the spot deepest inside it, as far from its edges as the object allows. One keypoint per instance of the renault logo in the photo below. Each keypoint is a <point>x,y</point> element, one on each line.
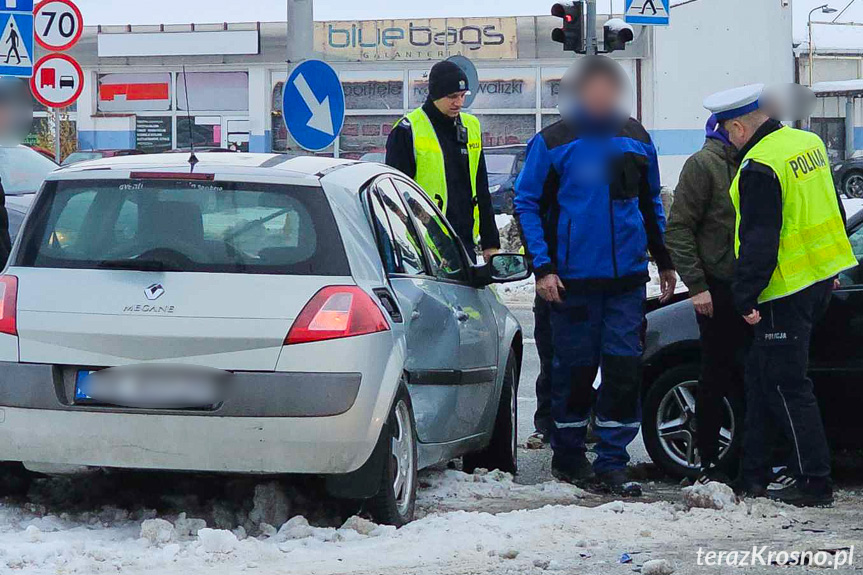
<point>154,292</point>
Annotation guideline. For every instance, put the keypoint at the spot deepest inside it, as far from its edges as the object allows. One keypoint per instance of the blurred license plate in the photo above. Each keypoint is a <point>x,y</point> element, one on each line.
<point>151,387</point>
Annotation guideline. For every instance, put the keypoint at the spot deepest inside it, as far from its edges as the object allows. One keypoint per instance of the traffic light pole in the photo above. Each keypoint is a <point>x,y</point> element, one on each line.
<point>590,36</point>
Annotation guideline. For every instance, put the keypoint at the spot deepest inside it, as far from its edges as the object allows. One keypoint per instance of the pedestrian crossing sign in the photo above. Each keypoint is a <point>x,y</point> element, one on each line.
<point>648,12</point>
<point>16,38</point>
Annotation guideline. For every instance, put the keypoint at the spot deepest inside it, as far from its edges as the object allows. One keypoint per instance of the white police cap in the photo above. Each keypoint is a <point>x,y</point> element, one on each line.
<point>735,102</point>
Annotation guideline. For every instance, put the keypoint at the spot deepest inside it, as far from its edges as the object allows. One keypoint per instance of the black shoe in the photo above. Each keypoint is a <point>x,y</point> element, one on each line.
<point>575,469</point>
<point>781,479</point>
<point>808,492</point>
<point>618,483</point>
<point>747,489</point>
<point>712,474</point>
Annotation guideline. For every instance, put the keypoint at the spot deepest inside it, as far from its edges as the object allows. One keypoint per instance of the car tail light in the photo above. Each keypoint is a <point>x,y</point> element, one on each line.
<point>172,176</point>
<point>8,304</point>
<point>336,312</point>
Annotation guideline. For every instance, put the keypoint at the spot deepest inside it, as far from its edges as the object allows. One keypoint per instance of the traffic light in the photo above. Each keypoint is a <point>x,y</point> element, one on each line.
<point>617,34</point>
<point>572,33</point>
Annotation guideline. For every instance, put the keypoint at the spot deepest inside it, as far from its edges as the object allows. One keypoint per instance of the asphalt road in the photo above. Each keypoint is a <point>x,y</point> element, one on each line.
<point>535,466</point>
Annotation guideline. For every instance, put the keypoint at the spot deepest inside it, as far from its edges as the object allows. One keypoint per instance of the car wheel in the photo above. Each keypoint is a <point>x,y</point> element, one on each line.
<point>395,502</point>
<point>669,427</point>
<point>852,185</point>
<point>502,451</point>
<point>14,479</point>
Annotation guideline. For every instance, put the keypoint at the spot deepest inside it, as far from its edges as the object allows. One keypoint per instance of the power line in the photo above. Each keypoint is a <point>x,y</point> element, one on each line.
<point>684,3</point>
<point>843,10</point>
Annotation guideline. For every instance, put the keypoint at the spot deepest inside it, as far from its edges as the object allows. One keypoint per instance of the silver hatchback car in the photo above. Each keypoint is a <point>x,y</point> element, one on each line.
<point>256,314</point>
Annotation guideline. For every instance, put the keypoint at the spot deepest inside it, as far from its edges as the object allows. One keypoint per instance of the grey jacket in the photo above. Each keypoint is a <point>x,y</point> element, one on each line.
<point>701,227</point>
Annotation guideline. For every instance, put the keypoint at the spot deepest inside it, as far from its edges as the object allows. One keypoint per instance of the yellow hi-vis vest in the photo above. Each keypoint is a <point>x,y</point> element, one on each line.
<point>431,169</point>
<point>813,243</point>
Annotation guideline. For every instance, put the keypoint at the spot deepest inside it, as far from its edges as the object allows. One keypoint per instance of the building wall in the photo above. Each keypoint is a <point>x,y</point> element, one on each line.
<point>710,46</point>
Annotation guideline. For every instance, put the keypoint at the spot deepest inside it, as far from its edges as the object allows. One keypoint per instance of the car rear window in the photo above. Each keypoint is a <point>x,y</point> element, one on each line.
<point>190,226</point>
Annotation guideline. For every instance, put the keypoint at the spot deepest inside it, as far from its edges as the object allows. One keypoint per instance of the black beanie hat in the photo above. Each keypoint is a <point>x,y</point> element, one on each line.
<point>446,78</point>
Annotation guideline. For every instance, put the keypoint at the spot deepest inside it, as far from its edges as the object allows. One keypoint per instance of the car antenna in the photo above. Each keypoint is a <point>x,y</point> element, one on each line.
<point>193,159</point>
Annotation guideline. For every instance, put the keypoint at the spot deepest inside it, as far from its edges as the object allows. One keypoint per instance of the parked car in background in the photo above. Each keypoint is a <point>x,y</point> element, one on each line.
<point>374,157</point>
<point>266,315</point>
<point>17,208</point>
<point>672,364</point>
<point>848,175</point>
<point>504,165</point>
<point>86,155</point>
<point>23,170</point>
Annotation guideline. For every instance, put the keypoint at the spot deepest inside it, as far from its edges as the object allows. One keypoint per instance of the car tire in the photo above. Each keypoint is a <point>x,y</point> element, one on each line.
<point>669,426</point>
<point>852,184</point>
<point>502,451</point>
<point>14,480</point>
<point>396,500</point>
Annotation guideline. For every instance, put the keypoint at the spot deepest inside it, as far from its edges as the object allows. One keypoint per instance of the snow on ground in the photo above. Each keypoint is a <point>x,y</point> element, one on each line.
<point>561,538</point>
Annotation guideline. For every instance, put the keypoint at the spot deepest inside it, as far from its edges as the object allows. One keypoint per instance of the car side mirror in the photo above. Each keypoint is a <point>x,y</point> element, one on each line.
<point>505,268</point>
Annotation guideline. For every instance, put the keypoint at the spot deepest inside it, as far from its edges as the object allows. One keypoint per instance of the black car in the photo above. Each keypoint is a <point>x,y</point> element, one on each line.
<point>504,165</point>
<point>848,176</point>
<point>672,364</point>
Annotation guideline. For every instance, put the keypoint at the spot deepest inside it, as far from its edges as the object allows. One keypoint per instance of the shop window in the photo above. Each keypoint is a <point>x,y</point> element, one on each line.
<point>365,134</point>
<point>134,92</point>
<point>153,134</point>
<point>373,90</point>
<point>551,78</point>
<point>283,143</point>
<point>505,130</point>
<point>206,131</point>
<point>214,91</point>
<point>549,119</point>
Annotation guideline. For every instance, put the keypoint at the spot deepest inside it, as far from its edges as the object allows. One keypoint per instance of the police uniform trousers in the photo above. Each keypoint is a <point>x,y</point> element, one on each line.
<point>779,395</point>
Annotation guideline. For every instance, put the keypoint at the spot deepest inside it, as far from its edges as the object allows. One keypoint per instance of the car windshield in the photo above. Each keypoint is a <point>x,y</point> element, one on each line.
<point>500,163</point>
<point>76,157</point>
<point>193,226</point>
<point>22,170</point>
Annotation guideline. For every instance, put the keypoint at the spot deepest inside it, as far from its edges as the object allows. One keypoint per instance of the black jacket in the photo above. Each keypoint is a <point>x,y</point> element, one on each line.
<point>760,225</point>
<point>5,239</point>
<point>400,155</point>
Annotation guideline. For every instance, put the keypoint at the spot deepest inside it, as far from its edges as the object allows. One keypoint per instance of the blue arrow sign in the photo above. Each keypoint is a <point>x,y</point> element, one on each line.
<point>648,12</point>
<point>16,38</point>
<point>314,105</point>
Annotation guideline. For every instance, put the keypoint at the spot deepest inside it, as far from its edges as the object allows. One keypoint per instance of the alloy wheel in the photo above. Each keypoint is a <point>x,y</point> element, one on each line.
<point>677,430</point>
<point>403,453</point>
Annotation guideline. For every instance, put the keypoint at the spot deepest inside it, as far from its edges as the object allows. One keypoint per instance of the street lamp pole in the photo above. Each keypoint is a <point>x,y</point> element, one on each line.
<point>301,31</point>
<point>825,9</point>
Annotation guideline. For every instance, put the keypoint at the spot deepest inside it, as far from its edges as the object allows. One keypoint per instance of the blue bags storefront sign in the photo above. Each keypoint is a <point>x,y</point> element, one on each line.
<point>424,39</point>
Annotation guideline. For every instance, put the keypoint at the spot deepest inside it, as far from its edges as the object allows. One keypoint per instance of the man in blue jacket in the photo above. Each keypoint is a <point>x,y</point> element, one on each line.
<point>588,201</point>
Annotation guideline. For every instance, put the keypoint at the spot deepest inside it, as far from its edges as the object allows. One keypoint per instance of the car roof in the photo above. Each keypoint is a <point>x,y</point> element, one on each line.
<point>300,170</point>
<point>506,148</point>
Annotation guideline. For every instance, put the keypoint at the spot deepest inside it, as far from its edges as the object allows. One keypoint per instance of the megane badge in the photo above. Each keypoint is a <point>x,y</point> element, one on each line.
<point>154,292</point>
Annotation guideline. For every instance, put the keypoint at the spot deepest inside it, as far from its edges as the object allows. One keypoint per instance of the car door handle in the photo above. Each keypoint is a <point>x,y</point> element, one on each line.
<point>416,315</point>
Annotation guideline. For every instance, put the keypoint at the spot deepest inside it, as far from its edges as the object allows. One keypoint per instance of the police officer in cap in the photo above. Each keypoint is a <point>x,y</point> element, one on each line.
<point>791,244</point>
<point>440,147</point>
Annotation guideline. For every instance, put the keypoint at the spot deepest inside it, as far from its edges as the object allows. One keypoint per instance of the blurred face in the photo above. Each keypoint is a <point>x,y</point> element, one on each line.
<point>451,106</point>
<point>599,96</point>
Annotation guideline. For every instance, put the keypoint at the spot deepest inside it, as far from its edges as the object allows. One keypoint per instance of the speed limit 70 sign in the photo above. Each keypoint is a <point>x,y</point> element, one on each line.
<point>58,24</point>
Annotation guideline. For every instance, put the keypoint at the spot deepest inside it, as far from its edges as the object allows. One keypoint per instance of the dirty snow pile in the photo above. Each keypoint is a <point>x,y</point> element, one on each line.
<point>495,490</point>
<point>267,536</point>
